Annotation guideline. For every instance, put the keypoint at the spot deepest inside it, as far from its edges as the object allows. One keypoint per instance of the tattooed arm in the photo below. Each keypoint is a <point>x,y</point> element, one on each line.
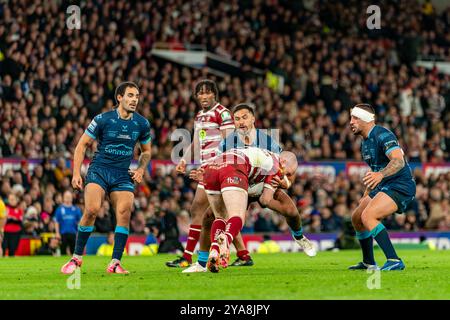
<point>144,158</point>
<point>372,179</point>
<point>395,165</point>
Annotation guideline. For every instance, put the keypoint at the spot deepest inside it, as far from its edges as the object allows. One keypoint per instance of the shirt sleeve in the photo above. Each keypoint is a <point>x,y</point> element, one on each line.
<point>57,217</point>
<point>93,130</point>
<point>145,136</point>
<point>226,120</point>
<point>388,142</point>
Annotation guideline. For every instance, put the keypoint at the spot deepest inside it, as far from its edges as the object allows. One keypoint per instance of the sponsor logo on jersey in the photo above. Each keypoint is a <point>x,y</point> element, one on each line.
<point>233,180</point>
<point>202,134</point>
<point>119,149</point>
<point>124,136</point>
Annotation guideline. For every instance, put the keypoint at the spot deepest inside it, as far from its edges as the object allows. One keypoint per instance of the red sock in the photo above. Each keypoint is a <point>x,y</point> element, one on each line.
<point>243,254</point>
<point>217,226</point>
<point>234,226</point>
<point>193,236</point>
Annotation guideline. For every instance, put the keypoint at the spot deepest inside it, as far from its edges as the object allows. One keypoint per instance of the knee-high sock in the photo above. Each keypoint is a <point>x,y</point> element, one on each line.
<point>82,238</point>
<point>366,242</point>
<point>219,225</point>
<point>120,241</point>
<point>192,240</point>
<point>382,237</point>
<point>234,226</point>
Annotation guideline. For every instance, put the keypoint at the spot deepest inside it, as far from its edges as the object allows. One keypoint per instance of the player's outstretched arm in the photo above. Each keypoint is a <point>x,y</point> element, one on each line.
<point>144,159</point>
<point>78,157</point>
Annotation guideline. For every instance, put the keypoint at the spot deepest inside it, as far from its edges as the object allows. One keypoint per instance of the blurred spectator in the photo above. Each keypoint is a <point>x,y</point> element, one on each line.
<point>168,232</point>
<point>103,222</point>
<point>106,249</point>
<point>51,247</point>
<point>13,226</point>
<point>61,171</point>
<point>138,223</point>
<point>2,223</point>
<point>67,217</point>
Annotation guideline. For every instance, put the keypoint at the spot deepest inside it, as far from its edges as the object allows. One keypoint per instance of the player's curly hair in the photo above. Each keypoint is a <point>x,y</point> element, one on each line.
<point>208,85</point>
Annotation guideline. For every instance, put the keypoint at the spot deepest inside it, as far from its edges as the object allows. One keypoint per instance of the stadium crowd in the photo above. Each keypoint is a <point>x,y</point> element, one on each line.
<point>53,80</point>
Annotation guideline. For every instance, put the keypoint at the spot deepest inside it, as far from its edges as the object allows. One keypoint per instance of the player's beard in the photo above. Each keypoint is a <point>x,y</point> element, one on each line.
<point>129,109</point>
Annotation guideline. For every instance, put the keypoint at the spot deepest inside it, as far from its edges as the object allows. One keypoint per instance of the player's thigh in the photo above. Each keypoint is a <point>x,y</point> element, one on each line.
<point>93,198</point>
<point>122,201</point>
<point>380,207</point>
<point>199,204</point>
<point>217,205</point>
<point>235,202</point>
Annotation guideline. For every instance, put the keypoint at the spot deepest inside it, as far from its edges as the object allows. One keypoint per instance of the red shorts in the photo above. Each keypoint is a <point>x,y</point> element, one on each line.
<point>222,177</point>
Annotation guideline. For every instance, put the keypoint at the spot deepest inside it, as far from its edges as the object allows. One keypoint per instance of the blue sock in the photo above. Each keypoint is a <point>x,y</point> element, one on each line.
<point>120,240</point>
<point>366,242</point>
<point>82,238</point>
<point>297,234</point>
<point>382,237</point>
<point>202,258</point>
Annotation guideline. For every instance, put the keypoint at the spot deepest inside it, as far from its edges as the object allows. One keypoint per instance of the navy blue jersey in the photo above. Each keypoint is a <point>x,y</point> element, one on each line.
<point>375,150</point>
<point>262,140</point>
<point>117,138</point>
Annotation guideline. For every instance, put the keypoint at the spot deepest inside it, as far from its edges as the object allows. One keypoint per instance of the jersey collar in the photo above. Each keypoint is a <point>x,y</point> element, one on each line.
<point>368,136</point>
<point>118,115</point>
<point>212,109</point>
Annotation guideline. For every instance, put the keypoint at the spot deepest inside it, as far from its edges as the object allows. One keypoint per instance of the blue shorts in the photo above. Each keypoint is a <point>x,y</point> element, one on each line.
<point>110,179</point>
<point>402,192</point>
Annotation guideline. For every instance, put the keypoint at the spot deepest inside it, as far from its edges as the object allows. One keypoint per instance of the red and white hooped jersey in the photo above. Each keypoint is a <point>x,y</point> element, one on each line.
<point>261,165</point>
<point>208,126</point>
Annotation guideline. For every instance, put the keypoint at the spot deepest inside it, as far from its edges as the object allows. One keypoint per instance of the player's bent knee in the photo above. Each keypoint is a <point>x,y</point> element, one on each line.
<point>90,213</point>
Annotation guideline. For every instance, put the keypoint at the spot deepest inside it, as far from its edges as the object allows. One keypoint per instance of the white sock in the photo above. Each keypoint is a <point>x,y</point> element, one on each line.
<point>78,257</point>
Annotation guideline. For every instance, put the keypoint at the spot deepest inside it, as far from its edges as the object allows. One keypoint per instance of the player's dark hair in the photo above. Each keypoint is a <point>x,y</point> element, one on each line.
<point>209,85</point>
<point>365,106</point>
<point>244,106</point>
<point>121,88</point>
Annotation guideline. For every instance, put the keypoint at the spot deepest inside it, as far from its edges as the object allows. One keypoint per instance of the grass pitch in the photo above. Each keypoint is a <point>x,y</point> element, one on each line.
<point>274,276</point>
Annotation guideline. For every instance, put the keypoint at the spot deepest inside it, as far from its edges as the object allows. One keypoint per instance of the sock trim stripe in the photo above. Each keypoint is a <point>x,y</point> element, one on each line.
<point>85,228</point>
<point>189,252</point>
<point>229,234</point>
<point>120,229</point>
<point>362,235</point>
<point>375,231</point>
<point>190,238</point>
<point>194,229</point>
